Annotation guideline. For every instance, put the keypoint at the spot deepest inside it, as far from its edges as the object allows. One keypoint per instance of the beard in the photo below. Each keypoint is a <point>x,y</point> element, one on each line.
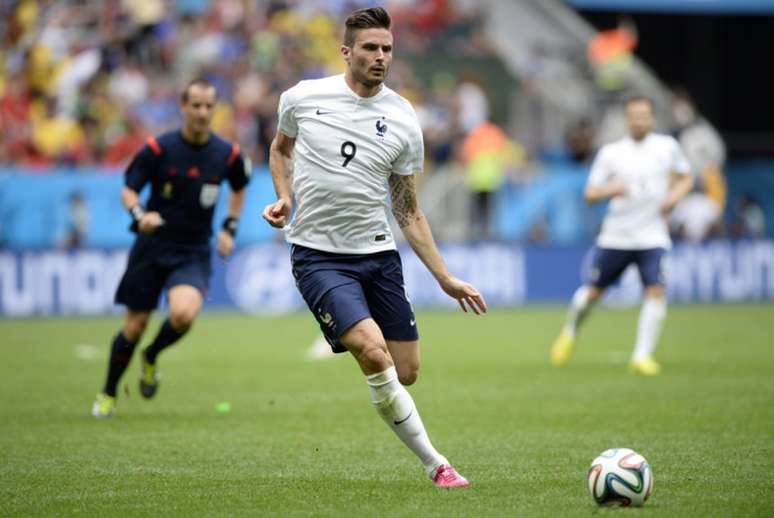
<point>371,83</point>
<point>361,76</point>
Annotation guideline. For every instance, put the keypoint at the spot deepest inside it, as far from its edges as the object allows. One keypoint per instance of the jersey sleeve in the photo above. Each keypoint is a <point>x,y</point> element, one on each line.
<point>680,164</point>
<point>286,112</point>
<point>140,169</point>
<point>412,157</point>
<point>239,169</point>
<point>600,169</point>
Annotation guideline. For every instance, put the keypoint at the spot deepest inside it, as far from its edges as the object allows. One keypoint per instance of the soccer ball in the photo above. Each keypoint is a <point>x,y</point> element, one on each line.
<point>620,476</point>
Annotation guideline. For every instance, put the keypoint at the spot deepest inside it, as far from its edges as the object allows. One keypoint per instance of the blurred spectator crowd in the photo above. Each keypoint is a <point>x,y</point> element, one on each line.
<point>84,82</point>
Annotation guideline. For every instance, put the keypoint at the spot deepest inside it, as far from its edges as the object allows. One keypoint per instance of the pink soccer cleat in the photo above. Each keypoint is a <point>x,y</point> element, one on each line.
<point>447,476</point>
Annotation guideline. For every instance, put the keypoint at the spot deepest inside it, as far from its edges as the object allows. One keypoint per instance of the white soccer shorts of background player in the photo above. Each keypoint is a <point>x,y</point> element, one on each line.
<point>620,476</point>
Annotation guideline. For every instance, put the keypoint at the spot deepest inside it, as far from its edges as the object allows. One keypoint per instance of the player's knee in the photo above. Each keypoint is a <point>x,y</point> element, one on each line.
<point>371,353</point>
<point>182,318</point>
<point>135,326</point>
<point>655,291</point>
<point>593,293</point>
<point>133,332</point>
<point>375,356</point>
<point>408,375</point>
<point>367,345</point>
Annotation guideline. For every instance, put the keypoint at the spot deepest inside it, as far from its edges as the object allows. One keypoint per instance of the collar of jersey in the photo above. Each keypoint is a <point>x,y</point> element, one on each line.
<point>381,93</point>
<point>192,144</point>
<point>639,142</point>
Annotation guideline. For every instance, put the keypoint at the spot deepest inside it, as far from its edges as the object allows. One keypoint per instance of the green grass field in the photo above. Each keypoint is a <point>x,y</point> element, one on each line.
<point>302,438</point>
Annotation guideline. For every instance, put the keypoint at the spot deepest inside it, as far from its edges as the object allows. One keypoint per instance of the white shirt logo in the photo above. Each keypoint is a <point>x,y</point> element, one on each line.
<point>381,127</point>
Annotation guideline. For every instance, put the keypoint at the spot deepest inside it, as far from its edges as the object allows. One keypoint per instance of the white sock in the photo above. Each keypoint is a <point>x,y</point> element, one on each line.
<point>395,405</point>
<point>579,308</point>
<point>649,327</point>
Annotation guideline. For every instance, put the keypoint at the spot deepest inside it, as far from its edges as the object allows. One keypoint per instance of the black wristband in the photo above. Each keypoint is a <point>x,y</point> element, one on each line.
<point>230,225</point>
<point>137,212</point>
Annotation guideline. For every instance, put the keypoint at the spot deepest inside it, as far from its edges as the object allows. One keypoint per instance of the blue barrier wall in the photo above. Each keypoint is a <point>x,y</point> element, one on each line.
<point>34,207</point>
<point>258,279</point>
<point>554,201</point>
<point>38,279</point>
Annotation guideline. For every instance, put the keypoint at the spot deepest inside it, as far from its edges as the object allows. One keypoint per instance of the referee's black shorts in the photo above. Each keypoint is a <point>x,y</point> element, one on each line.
<point>156,265</point>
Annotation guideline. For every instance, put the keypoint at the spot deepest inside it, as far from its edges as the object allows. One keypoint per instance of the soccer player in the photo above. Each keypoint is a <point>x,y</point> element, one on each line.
<point>644,175</point>
<point>352,141</point>
<point>171,252</point>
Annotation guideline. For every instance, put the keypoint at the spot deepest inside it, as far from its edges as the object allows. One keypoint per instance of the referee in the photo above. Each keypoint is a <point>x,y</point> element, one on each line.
<point>171,254</point>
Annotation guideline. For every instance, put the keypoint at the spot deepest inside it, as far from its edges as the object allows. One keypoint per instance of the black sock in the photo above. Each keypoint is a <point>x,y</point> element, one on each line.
<point>166,337</point>
<point>120,355</point>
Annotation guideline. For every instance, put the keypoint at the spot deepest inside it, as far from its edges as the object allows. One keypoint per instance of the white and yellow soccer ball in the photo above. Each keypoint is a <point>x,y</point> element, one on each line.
<point>620,476</point>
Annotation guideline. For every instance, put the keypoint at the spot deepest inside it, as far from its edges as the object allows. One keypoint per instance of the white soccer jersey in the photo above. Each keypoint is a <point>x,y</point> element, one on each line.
<point>346,148</point>
<point>634,221</point>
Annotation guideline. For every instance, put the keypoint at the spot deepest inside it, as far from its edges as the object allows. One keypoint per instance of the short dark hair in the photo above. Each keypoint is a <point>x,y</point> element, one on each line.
<point>371,18</point>
<point>636,98</point>
<point>198,81</point>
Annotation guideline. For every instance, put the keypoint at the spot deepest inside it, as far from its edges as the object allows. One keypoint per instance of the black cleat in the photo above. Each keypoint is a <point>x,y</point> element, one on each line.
<point>149,378</point>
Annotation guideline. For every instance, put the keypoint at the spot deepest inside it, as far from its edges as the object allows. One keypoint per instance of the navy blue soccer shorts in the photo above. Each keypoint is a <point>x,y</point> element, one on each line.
<point>343,289</point>
<point>610,263</point>
<point>156,265</point>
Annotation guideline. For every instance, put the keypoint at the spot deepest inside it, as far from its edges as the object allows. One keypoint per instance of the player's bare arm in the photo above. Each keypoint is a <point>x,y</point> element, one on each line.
<point>681,186</point>
<point>280,160</point>
<point>597,193</point>
<point>147,222</point>
<point>414,226</point>
<point>225,244</point>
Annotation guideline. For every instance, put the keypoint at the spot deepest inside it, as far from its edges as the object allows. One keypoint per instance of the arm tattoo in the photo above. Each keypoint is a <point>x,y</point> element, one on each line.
<point>404,199</point>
